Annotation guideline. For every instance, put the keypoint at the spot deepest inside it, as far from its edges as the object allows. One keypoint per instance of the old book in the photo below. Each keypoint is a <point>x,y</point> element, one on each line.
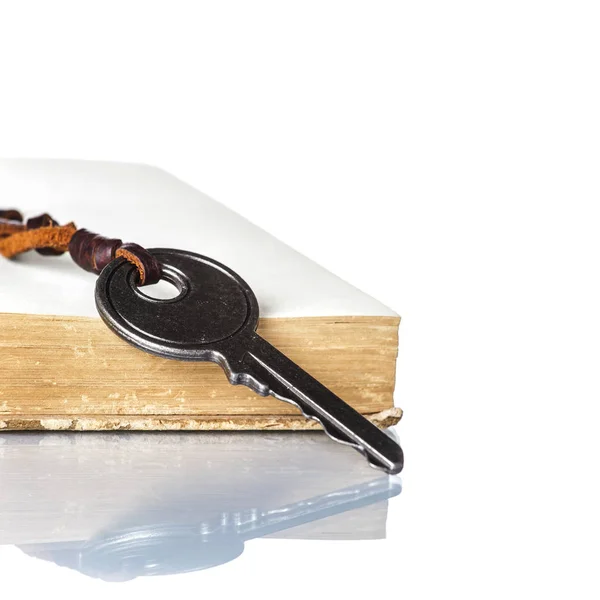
<point>62,369</point>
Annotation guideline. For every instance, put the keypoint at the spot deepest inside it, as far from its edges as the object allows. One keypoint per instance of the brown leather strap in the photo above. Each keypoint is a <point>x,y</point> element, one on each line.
<point>90,251</point>
<point>148,267</point>
<point>8,227</point>
<point>44,220</point>
<point>56,238</point>
<point>11,215</point>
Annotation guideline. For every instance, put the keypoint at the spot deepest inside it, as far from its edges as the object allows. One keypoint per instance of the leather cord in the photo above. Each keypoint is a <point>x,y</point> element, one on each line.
<point>90,251</point>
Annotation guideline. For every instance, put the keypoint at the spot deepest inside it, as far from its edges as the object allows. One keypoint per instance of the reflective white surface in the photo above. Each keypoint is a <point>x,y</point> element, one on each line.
<point>120,506</point>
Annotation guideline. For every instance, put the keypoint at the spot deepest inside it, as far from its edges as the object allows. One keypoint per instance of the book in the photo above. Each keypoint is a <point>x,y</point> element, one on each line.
<point>62,369</point>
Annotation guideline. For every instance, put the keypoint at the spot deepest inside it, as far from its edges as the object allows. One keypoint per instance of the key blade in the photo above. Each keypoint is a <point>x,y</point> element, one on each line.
<point>269,372</point>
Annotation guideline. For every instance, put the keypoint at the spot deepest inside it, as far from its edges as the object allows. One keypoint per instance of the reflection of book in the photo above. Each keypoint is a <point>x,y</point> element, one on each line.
<point>62,369</point>
<point>168,502</point>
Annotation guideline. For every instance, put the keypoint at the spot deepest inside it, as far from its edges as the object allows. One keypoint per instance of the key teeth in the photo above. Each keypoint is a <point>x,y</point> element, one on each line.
<point>239,376</point>
<point>336,436</point>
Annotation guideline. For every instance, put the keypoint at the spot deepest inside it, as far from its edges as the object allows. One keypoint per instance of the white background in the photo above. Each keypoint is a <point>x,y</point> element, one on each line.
<point>442,156</point>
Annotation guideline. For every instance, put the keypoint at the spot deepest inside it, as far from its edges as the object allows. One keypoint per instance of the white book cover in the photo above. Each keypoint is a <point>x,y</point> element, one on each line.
<point>146,205</point>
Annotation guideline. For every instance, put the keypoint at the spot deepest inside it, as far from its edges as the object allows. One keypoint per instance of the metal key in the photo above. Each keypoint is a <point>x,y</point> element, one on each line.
<point>214,318</point>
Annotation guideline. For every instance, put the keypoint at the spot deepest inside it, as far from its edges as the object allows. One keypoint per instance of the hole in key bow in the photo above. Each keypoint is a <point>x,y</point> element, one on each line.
<point>163,290</point>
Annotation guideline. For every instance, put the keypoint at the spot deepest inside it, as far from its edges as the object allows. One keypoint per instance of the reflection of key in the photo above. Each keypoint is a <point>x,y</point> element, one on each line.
<point>167,547</point>
<point>214,318</point>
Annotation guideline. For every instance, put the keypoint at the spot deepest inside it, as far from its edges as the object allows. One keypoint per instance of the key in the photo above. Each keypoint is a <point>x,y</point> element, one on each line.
<point>214,318</point>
